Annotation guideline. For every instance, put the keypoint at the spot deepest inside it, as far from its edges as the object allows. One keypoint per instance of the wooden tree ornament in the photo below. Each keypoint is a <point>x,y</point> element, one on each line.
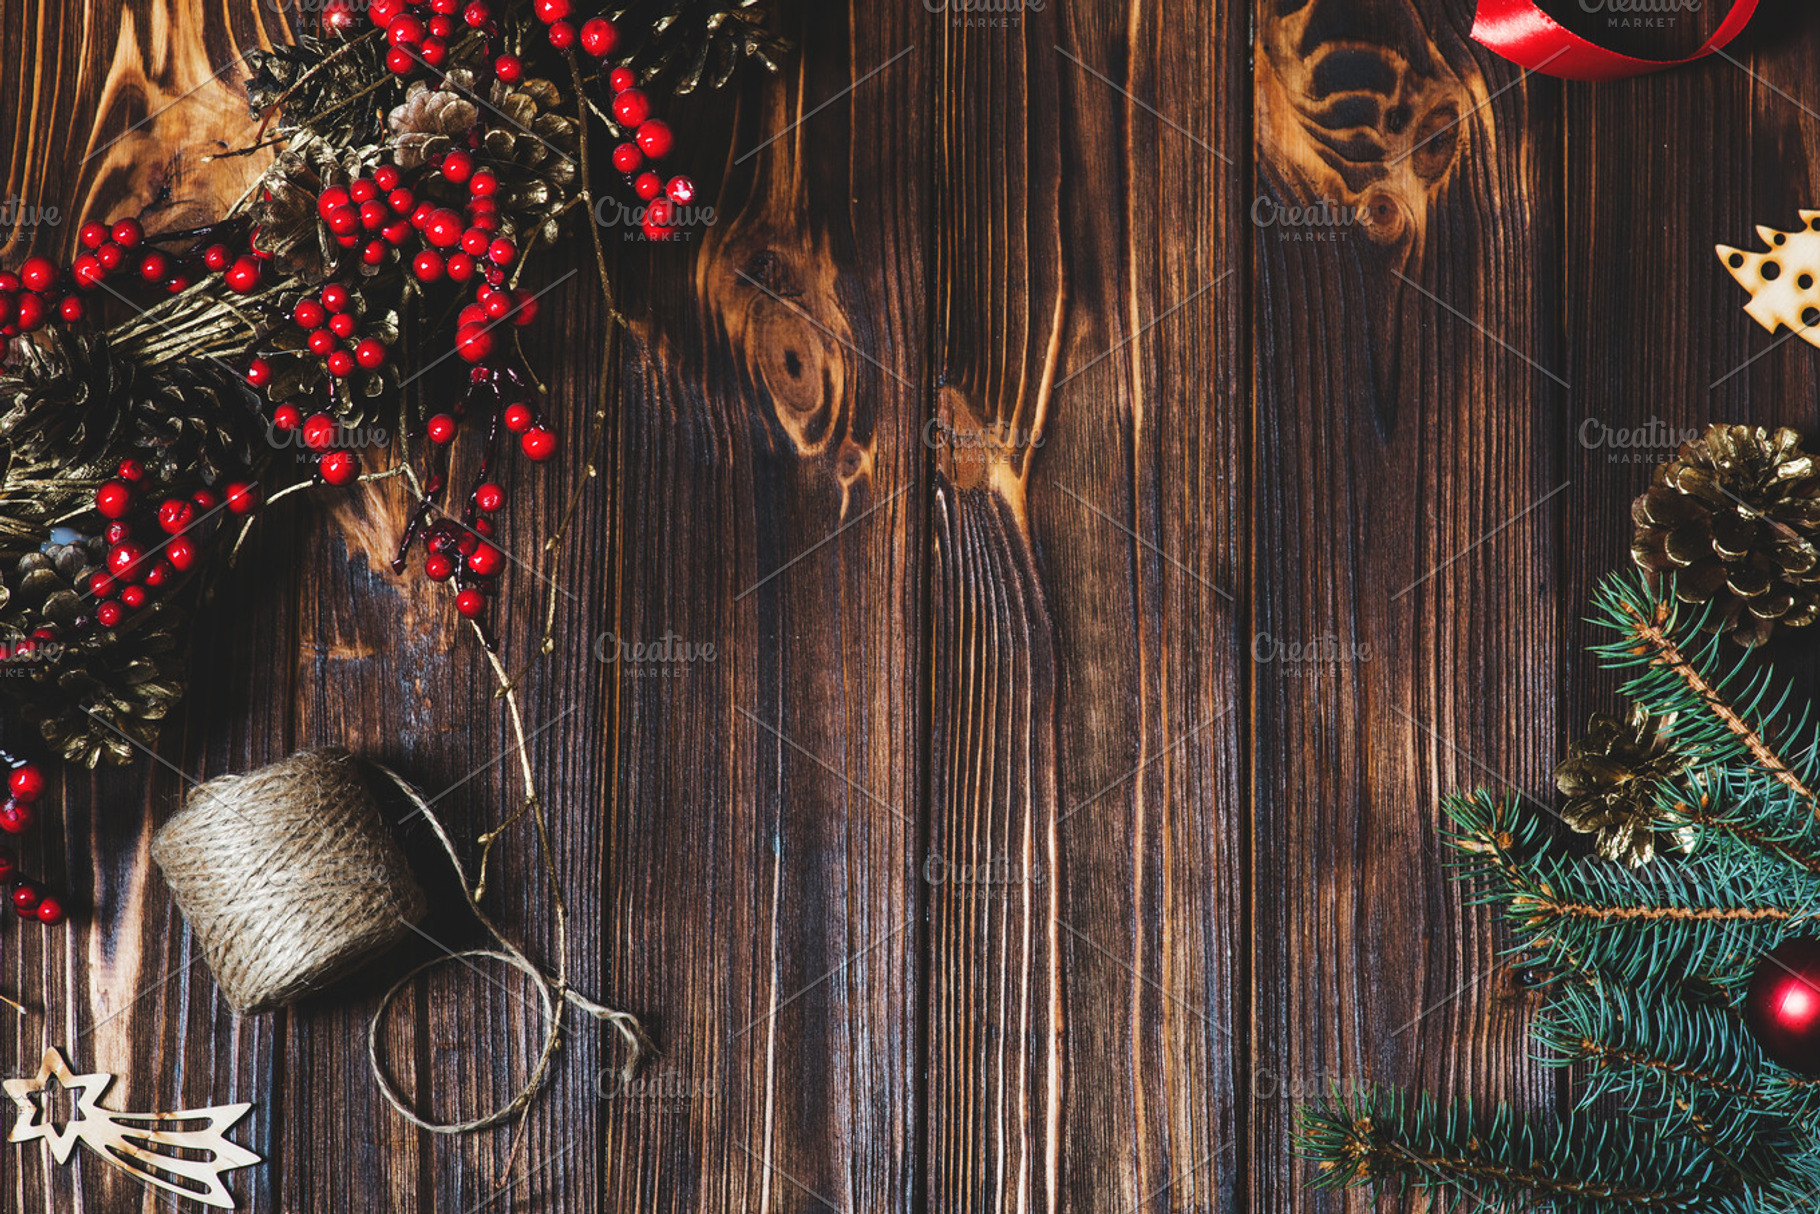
<point>1783,281</point>
<point>188,1162</point>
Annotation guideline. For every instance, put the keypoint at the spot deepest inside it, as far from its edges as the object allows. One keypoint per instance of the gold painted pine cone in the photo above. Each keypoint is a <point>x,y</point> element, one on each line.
<point>1733,518</point>
<point>1611,778</point>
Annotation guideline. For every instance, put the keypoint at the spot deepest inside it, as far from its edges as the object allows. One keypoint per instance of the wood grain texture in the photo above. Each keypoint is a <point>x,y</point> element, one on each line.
<point>1128,464</point>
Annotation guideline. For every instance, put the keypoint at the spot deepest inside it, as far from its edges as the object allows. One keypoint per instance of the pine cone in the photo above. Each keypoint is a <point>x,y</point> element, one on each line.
<point>315,95</point>
<point>1611,778</point>
<point>1733,518</point>
<point>432,119</point>
<point>686,42</point>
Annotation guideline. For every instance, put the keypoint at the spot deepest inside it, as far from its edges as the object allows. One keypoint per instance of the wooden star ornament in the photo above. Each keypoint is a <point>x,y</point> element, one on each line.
<point>1782,281</point>
<point>188,1162</point>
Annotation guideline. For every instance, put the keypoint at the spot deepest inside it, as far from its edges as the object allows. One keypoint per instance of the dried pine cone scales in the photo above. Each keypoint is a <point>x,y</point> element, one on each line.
<point>1733,519</point>
<point>1612,778</point>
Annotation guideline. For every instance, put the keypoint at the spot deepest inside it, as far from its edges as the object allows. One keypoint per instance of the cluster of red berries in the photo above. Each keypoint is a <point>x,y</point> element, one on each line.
<point>133,571</point>
<point>651,140</point>
<point>464,550</point>
<point>30,900</point>
<point>43,291</point>
<point>419,34</point>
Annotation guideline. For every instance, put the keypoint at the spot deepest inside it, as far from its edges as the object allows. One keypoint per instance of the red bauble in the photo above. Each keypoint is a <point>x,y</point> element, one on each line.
<point>1782,1007</point>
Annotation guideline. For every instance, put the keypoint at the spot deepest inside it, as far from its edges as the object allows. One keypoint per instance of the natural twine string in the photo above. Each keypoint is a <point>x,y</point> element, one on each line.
<point>552,990</point>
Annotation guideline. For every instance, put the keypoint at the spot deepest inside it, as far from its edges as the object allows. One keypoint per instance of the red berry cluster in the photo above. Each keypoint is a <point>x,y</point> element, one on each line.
<point>43,291</point>
<point>651,140</point>
<point>29,898</point>
<point>149,545</point>
<point>464,550</point>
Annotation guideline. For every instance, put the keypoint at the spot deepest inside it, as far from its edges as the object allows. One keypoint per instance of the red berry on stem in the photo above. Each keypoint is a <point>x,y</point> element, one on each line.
<point>435,51</point>
<point>113,500</point>
<point>93,235</point>
<point>100,585</point>
<point>483,184</point>
<point>337,467</point>
<point>509,69</point>
<point>427,265</point>
<point>518,418</point>
<point>38,274</point>
<point>15,817</point>
<point>26,895</point>
<point>175,515</point>
<point>622,79</point>
<point>631,108</point>
<point>70,310</point>
<point>476,15</point>
<point>386,177</point>
<point>444,228</point>
<point>320,342</point>
<point>127,233</point>
<point>216,257</point>
<point>460,267</point>
<point>181,553</point>
<point>287,417</point>
<point>538,443</point>
<point>129,470</point>
<point>551,10</point>
<point>343,221</point>
<point>110,256</point>
<point>259,373</point>
<point>156,574</point>
<point>598,37</point>
<point>341,364</point>
<point>241,497</point>
<point>502,252</point>
<point>681,190</point>
<point>26,782</point>
<point>31,312</point>
<point>123,560</point>
<point>498,305</point>
<point>243,275</point>
<point>489,497</point>
<point>474,242</point>
<point>524,307</point>
<point>486,560</point>
<point>470,602</point>
<point>438,568</point>
<point>309,314</point>
<point>474,343</point>
<point>109,615</point>
<point>343,324</point>
<point>118,533</point>
<point>401,200</point>
<point>655,139</point>
<point>335,297</point>
<point>50,912</point>
<point>648,186</point>
<point>398,61</point>
<point>132,597</point>
<point>405,29</point>
<point>370,354</point>
<point>627,157</point>
<point>332,199</point>
<point>319,432</point>
<point>457,166</point>
<point>561,35</point>
<point>441,428</point>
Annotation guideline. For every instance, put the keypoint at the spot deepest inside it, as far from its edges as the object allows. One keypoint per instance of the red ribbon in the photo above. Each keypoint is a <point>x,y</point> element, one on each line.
<point>1527,36</point>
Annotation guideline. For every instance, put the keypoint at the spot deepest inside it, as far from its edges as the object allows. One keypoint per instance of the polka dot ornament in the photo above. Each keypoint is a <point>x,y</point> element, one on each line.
<point>1782,281</point>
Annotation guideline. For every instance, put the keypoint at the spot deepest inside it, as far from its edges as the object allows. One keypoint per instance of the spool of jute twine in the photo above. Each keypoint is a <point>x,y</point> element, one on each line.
<point>290,879</point>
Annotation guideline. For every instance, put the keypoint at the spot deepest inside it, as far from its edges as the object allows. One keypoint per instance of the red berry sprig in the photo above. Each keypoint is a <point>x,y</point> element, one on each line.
<point>150,544</point>
<point>30,899</point>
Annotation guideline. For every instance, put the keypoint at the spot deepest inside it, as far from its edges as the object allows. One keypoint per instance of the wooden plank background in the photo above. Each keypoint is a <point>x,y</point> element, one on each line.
<point>1052,817</point>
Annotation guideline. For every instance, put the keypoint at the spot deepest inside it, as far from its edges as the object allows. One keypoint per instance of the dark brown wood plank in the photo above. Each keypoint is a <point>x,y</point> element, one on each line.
<point>1084,999</point>
<point>767,499</point>
<point>1409,436</point>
